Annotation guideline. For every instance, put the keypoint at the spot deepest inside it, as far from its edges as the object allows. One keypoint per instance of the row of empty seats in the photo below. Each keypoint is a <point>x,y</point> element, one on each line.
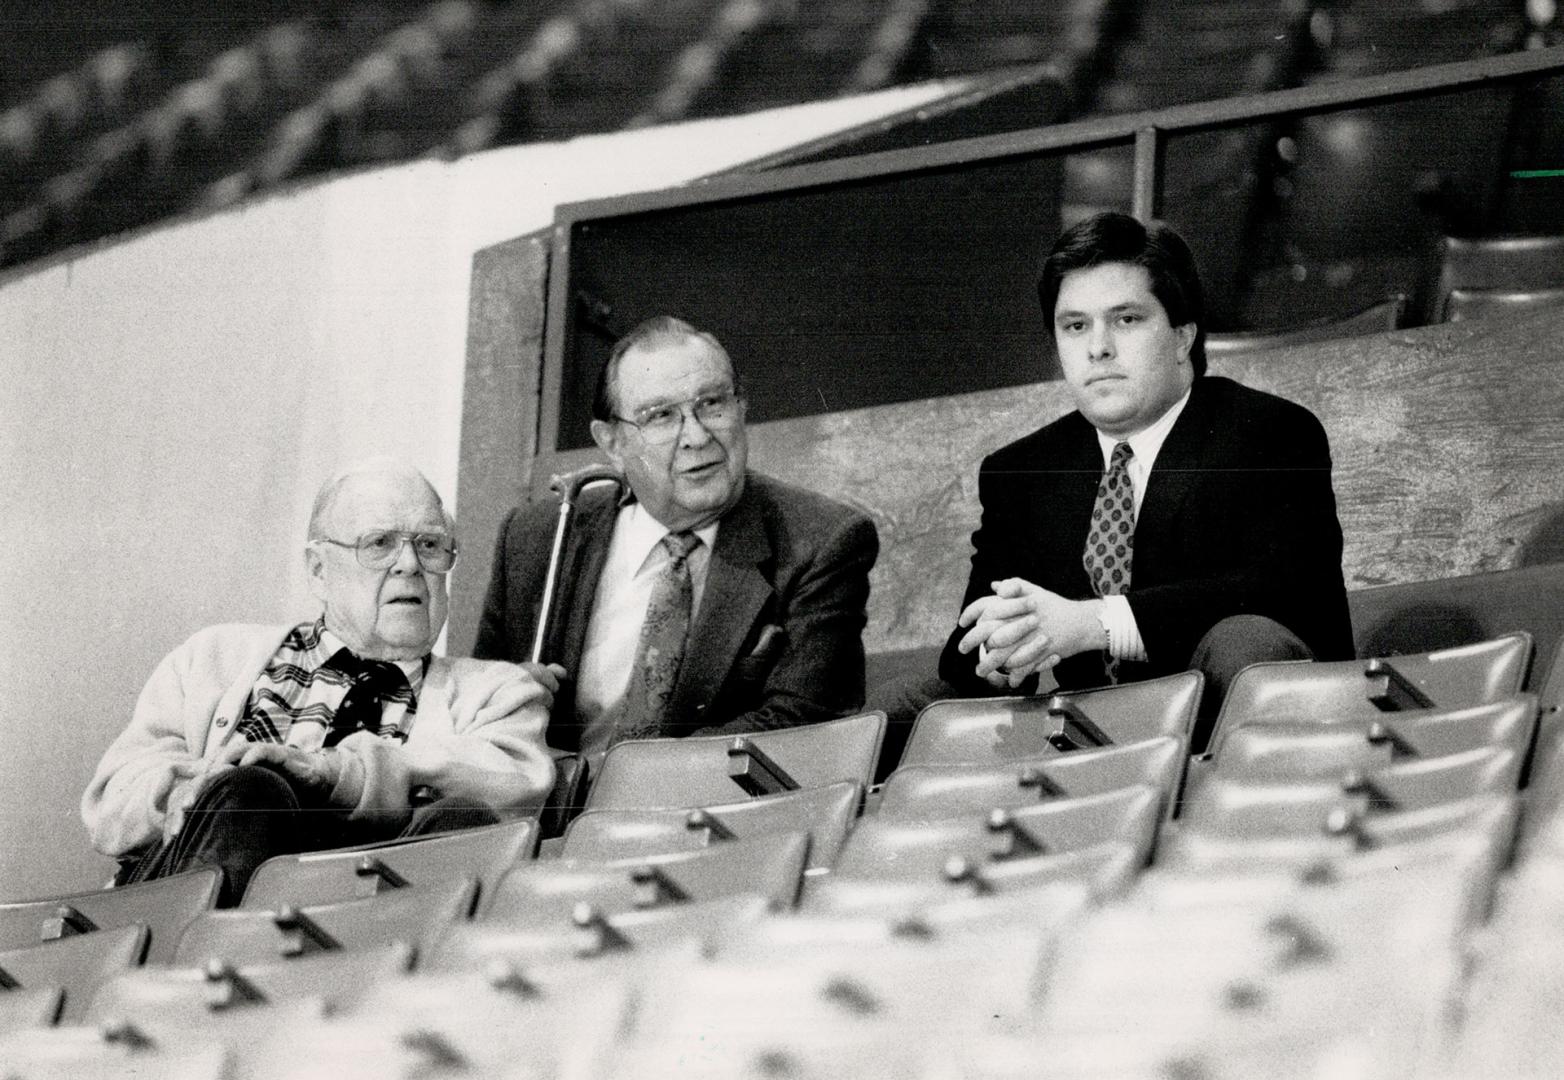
<point>749,902</point>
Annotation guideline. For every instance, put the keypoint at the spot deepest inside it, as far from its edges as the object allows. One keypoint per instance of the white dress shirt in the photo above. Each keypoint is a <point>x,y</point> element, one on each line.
<point>1124,640</point>
<point>635,558</point>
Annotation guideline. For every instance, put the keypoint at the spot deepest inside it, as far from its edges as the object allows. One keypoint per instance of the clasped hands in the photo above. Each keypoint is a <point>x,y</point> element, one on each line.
<point>1023,629</point>
<point>492,691</point>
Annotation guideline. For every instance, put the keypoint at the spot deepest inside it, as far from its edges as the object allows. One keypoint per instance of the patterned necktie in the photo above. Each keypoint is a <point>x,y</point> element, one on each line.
<point>373,682</point>
<point>661,648</point>
<point>1110,543</point>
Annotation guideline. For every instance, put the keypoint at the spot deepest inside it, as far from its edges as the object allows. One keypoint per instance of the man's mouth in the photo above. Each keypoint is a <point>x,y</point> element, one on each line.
<point>416,601</point>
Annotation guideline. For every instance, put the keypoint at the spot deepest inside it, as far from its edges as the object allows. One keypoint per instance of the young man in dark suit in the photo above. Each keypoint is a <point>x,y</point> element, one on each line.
<point>1174,520</point>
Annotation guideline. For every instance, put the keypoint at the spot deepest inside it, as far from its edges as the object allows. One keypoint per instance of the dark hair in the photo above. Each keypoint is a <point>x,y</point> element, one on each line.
<point>1112,237</point>
<point>658,330</point>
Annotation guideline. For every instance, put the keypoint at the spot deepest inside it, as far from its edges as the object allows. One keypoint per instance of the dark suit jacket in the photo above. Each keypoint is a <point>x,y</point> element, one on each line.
<point>785,558</point>
<point>1238,517</point>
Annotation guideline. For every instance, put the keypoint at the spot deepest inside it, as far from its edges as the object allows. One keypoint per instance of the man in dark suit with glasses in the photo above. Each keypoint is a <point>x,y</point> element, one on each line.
<point>709,599</point>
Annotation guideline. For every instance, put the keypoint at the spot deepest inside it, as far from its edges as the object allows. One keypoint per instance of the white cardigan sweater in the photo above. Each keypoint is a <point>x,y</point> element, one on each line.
<point>191,707</point>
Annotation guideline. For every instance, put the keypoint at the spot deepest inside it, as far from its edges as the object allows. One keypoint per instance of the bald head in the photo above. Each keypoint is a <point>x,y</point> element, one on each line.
<point>383,467</point>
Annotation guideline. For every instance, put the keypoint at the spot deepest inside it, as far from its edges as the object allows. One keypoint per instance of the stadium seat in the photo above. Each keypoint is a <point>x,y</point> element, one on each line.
<point>668,774</point>
<point>1388,314</point>
<point>990,731</point>
<point>77,965</point>
<point>560,1019</point>
<point>928,792</point>
<point>1486,824</point>
<point>84,1053</point>
<point>21,1009</point>
<point>413,916</point>
<point>162,999</point>
<point>546,893</point>
<point>1245,806</point>
<point>589,933</point>
<point>1304,750</point>
<point>1461,304</point>
<point>1509,263</point>
<point>922,850</point>
<point>1349,690</point>
<point>164,906</point>
<point>825,813</point>
<point>1102,870</point>
<point>327,877</point>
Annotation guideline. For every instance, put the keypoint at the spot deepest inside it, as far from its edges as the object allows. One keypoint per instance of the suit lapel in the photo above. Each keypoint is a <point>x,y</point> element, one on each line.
<point>586,552</point>
<point>1177,469</point>
<point>736,592</point>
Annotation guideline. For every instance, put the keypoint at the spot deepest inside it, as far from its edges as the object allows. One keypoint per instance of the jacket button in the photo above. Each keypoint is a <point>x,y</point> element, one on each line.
<point>222,721</point>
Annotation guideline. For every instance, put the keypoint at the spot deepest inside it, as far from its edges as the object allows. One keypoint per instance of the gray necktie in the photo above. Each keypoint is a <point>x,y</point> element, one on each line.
<point>661,648</point>
<point>1110,542</point>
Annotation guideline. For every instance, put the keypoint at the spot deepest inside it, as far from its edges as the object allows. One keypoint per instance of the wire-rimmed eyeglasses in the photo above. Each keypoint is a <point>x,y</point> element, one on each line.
<point>662,423</point>
<point>379,548</point>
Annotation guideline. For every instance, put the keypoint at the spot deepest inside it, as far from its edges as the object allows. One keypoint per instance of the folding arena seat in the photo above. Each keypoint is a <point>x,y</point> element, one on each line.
<point>1245,806</point>
<point>914,850</point>
<point>166,1001</point>
<point>413,916</point>
<point>547,893</point>
<point>76,965</point>
<point>1347,690</point>
<point>825,813</point>
<point>560,1019</point>
<point>1100,870</point>
<point>666,774</point>
<point>1480,829</point>
<point>21,1009</point>
<point>84,1053</point>
<point>1301,750</point>
<point>989,731</point>
<point>1509,263</point>
<point>930,792</point>
<point>164,907</point>
<point>326,877</point>
<point>1463,304</point>
<point>658,935</point>
<point>1388,314</point>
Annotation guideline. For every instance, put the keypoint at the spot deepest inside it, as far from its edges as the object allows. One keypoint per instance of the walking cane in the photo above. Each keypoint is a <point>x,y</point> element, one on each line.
<point>566,800</point>
<point>569,487</point>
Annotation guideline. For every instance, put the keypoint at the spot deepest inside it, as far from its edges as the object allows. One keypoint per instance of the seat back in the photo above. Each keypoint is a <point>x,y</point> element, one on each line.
<point>988,731</point>
<point>1388,314</point>
<point>1516,263</point>
<point>164,906</point>
<point>666,774</point>
<point>327,877</point>
<point>825,813</point>
<point>1102,870</point>
<point>76,965</point>
<point>412,916</point>
<point>1349,690</point>
<point>896,850</point>
<point>170,998</point>
<point>1301,750</point>
<point>23,1009</point>
<point>1245,806</point>
<point>930,792</point>
<point>588,932</point>
<point>546,893</point>
<point>1464,304</point>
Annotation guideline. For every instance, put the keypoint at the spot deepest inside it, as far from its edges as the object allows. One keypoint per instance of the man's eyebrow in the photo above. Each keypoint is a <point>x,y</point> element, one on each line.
<point>1128,305</point>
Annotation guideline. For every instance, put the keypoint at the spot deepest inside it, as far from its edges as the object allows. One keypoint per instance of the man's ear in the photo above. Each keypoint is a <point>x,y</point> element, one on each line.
<point>1186,338</point>
<point>315,571</point>
<point>606,435</point>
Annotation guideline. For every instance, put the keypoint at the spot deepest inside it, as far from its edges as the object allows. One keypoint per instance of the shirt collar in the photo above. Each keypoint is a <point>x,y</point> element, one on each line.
<point>1147,442</point>
<point>642,533</point>
<point>413,669</point>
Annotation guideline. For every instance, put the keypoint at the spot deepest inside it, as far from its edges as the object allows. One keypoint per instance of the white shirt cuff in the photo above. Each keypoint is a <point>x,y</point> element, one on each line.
<point>1124,641</point>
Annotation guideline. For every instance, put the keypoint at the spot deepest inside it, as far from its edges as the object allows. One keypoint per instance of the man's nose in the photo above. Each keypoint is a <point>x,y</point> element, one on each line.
<point>1099,341</point>
<point>692,432</point>
<point>406,557</point>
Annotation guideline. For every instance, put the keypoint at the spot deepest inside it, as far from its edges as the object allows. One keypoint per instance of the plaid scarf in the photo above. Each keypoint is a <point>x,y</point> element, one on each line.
<point>298,693</point>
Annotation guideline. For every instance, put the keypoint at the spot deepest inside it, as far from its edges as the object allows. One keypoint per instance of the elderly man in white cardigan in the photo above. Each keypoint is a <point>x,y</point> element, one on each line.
<point>251,741</point>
